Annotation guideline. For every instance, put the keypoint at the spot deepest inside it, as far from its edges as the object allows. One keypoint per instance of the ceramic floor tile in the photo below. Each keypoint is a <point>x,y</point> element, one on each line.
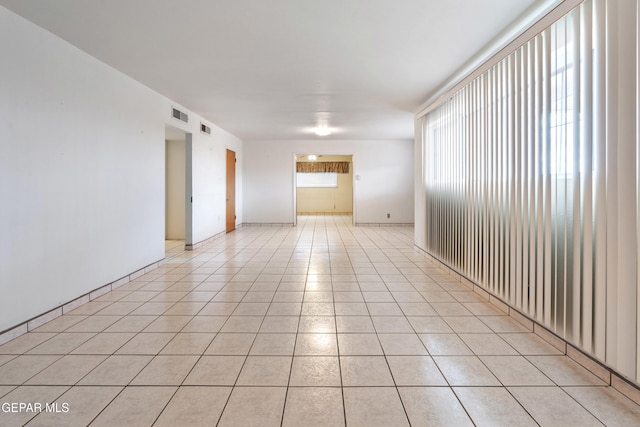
<point>351,309</point>
<point>429,325</point>
<point>25,342</point>
<point>194,406</point>
<point>199,296</point>
<point>318,296</point>
<point>138,296</point>
<point>167,296</point>
<point>184,309</point>
<point>165,370</point>
<point>284,296</point>
<point>374,406</point>
<point>483,309</point>
<point>92,307</point>
<point>529,344</point>
<point>273,345</point>
<point>367,371</point>
<point>415,371</point>
<point>251,309</point>
<point>317,309</point>
<point>445,345</point>
<point>146,343</point>
<point>215,371</point>
<point>218,309</point>
<point>131,324</point>
<point>4,358</point>
<point>205,324</point>
<point>359,344</point>
<point>67,370</point>
<point>425,407</point>
<point>437,296</point>
<point>168,324</point>
<point>281,324</point>
<point>551,406</point>
<point>465,371</point>
<point>348,297</point>
<point>467,325</point>
<point>59,324</point>
<point>188,343</point>
<point>384,309</point>
<point>311,371</point>
<point>265,371</point>
<point>97,323</point>
<point>20,369</point>
<point>317,324</point>
<point>408,297</point>
<point>242,324</point>
<point>502,324</point>
<point>607,404</point>
<point>254,406</point>
<point>83,404</point>
<point>124,410</point>
<point>116,370</point>
<point>402,344</point>
<point>487,344</point>
<point>417,309</point>
<point>346,287</point>
<point>62,343</point>
<point>515,371</point>
<point>377,296</point>
<point>450,309</point>
<point>493,406</point>
<point>104,343</point>
<point>152,309</point>
<point>231,344</point>
<point>284,309</point>
<point>120,308</point>
<point>313,406</point>
<point>354,324</point>
<point>316,345</point>
<point>292,286</point>
<point>564,371</point>
<point>392,324</point>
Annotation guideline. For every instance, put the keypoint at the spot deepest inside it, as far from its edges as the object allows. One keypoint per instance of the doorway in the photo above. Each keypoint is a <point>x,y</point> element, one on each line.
<point>231,191</point>
<point>323,185</point>
<point>177,181</point>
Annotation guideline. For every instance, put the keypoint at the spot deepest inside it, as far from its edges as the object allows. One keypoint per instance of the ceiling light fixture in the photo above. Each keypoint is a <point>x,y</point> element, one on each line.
<point>322,131</point>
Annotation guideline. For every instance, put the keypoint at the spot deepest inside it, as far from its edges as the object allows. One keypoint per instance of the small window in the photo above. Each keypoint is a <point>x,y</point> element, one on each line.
<point>317,180</point>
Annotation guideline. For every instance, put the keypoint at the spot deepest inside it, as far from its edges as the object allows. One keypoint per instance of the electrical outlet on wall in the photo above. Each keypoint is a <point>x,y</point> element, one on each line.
<point>388,215</point>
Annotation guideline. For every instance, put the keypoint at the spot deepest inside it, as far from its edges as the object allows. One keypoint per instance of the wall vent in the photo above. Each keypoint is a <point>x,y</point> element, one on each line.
<point>177,114</point>
<point>205,129</point>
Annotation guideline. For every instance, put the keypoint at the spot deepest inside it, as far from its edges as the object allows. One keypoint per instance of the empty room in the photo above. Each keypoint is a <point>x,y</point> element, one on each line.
<point>305,213</point>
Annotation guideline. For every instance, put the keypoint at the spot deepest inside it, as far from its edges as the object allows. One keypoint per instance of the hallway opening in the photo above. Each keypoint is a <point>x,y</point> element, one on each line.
<point>175,188</point>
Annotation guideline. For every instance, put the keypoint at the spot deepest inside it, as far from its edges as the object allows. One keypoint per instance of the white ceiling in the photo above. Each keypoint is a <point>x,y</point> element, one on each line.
<point>274,69</point>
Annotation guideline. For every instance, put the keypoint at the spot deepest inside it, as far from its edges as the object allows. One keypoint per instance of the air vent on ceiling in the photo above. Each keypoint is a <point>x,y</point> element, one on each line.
<point>205,129</point>
<point>177,114</point>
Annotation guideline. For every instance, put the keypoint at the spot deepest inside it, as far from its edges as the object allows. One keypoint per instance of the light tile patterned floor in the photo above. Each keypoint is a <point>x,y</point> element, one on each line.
<point>321,324</point>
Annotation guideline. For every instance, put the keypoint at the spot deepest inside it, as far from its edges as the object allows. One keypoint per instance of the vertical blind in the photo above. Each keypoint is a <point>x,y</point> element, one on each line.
<point>531,176</point>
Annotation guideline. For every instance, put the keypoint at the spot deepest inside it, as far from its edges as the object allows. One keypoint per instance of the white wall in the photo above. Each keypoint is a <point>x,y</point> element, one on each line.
<point>209,181</point>
<point>385,186</point>
<point>82,159</point>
